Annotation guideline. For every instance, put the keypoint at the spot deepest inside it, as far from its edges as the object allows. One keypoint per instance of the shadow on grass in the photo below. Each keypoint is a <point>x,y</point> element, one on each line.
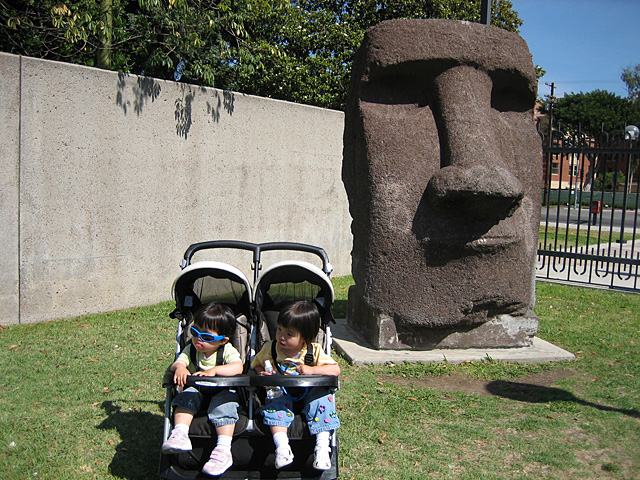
<point>138,455</point>
<point>340,309</point>
<point>525,392</point>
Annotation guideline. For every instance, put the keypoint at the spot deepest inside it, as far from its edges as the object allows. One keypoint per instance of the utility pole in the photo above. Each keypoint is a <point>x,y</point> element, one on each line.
<point>552,100</point>
<point>547,163</point>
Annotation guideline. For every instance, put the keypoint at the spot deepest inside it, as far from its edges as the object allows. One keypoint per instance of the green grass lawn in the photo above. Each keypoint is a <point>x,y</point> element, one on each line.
<point>572,237</point>
<point>82,398</point>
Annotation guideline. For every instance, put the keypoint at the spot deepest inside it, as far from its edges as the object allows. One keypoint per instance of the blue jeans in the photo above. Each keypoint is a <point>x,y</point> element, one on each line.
<point>319,409</point>
<point>223,408</point>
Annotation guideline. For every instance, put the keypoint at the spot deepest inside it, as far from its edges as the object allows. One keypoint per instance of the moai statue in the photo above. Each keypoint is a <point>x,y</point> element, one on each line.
<point>443,171</point>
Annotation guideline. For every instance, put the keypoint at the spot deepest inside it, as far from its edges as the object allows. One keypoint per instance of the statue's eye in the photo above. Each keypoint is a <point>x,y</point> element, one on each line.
<point>404,84</point>
<point>396,90</point>
<point>511,92</point>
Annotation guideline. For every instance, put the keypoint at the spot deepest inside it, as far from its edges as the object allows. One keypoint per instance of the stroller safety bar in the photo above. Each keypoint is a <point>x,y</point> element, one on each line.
<point>327,381</point>
<point>233,382</point>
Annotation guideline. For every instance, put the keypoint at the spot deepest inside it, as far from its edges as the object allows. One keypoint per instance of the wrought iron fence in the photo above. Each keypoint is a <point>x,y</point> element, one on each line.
<point>590,222</point>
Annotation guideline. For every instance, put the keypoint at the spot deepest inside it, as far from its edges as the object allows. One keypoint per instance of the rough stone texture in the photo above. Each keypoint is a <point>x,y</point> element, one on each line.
<point>443,171</point>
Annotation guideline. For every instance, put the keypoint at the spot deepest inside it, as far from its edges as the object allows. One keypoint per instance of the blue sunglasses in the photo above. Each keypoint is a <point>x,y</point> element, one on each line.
<point>206,337</point>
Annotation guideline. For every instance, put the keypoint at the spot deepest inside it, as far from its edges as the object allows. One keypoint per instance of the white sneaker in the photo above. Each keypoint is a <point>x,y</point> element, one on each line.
<point>219,462</point>
<point>322,460</point>
<point>284,456</point>
<point>177,442</point>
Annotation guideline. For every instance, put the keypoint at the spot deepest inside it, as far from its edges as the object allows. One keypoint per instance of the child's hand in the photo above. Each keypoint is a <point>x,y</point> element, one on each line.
<point>207,373</point>
<point>328,369</point>
<point>180,375</point>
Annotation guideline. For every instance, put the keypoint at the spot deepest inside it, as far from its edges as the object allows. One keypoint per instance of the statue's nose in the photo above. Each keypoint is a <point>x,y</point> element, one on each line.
<point>473,180</point>
<point>477,192</point>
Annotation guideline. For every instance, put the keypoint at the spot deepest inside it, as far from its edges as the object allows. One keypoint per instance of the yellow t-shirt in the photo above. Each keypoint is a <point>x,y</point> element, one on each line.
<point>319,357</point>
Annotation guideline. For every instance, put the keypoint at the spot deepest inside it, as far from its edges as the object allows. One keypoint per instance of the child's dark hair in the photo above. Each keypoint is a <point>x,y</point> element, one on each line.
<point>216,317</point>
<point>302,316</point>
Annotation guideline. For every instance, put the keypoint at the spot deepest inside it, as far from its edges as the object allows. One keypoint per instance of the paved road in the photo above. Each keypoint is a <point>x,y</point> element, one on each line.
<point>582,216</point>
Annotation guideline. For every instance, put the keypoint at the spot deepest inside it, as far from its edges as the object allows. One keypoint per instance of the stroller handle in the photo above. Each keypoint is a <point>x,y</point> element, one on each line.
<point>300,247</point>
<point>196,247</point>
<point>257,249</point>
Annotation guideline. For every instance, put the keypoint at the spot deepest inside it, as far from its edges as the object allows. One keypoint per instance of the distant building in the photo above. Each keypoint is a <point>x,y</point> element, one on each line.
<point>576,163</point>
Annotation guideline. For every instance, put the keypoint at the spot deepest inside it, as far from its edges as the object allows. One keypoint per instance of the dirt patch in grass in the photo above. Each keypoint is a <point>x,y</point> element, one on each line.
<point>461,383</point>
<point>596,461</point>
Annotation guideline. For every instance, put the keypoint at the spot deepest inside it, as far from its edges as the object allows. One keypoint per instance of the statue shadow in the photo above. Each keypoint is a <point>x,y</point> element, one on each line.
<point>525,392</point>
<point>138,454</point>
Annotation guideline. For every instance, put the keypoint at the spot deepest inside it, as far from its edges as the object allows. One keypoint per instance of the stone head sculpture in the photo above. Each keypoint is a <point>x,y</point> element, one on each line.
<point>443,171</point>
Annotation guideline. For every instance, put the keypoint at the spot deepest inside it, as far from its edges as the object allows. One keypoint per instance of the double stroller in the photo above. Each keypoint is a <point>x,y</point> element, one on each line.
<point>256,307</point>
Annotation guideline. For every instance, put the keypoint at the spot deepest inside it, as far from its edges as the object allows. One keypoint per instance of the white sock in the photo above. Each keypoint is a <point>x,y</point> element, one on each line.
<point>280,439</point>
<point>224,442</point>
<point>322,440</point>
<point>183,427</point>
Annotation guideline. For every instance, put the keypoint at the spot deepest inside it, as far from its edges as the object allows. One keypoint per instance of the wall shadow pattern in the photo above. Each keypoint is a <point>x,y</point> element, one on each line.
<point>148,89</point>
<point>145,89</point>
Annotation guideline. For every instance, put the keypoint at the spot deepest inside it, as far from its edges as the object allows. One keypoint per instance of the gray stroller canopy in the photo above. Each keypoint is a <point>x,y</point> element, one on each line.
<point>209,281</point>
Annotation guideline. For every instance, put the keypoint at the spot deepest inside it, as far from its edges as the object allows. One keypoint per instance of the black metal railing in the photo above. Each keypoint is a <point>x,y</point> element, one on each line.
<point>590,221</point>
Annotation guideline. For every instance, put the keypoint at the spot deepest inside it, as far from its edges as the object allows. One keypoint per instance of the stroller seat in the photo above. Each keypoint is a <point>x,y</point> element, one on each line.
<point>256,309</point>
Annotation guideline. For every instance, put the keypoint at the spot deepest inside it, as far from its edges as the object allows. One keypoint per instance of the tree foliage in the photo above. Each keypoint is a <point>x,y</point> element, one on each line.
<point>297,50</point>
<point>595,112</point>
<point>631,77</point>
<point>148,37</point>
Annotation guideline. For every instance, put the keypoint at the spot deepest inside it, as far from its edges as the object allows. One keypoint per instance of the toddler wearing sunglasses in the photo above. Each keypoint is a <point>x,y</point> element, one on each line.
<point>212,326</point>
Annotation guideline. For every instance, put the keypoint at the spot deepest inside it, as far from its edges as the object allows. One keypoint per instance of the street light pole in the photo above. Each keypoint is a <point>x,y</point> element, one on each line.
<point>485,12</point>
<point>631,134</point>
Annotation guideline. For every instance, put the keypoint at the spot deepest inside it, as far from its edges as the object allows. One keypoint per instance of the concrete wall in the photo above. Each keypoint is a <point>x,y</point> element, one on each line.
<point>107,178</point>
<point>9,187</point>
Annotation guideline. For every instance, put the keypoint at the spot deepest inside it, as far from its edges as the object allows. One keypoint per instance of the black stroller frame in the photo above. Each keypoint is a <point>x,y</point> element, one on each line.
<point>256,311</point>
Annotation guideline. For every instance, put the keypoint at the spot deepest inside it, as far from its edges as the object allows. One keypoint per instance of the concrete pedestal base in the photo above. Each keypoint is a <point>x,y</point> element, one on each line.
<point>360,352</point>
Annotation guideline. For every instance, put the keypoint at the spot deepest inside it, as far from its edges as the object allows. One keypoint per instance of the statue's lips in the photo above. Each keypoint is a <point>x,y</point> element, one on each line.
<point>483,244</point>
<point>478,237</point>
<point>491,243</point>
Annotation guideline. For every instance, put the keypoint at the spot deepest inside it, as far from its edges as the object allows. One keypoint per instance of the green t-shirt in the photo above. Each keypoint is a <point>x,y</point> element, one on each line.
<point>229,355</point>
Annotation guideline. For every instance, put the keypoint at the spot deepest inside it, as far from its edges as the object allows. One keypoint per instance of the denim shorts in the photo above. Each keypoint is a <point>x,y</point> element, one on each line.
<point>223,408</point>
<point>319,409</point>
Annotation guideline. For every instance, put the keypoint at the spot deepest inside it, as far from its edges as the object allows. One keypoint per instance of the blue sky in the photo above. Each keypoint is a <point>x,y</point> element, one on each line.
<point>582,44</point>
